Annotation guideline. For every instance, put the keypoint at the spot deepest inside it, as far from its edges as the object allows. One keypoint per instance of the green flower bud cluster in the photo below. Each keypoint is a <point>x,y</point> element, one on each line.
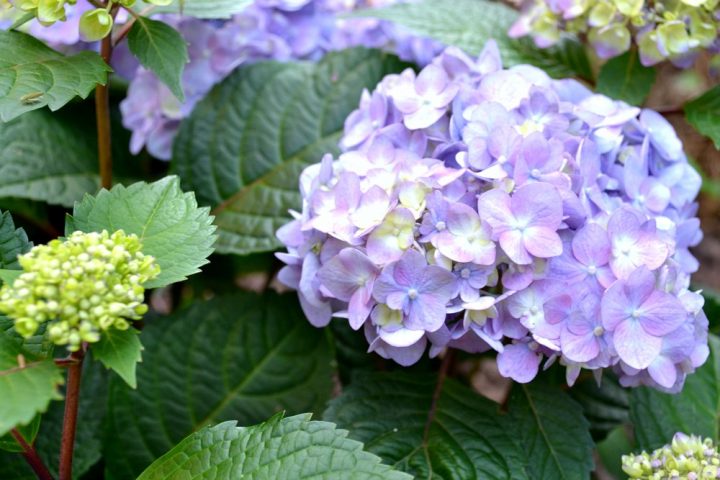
<point>81,286</point>
<point>674,30</point>
<point>686,458</point>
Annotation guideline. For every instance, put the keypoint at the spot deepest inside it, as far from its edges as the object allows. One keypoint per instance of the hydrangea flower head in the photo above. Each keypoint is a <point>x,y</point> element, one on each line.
<point>80,287</point>
<point>481,208</point>
<point>662,30</point>
<point>686,457</point>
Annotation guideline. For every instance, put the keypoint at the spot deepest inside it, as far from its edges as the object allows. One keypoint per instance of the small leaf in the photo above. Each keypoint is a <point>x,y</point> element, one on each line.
<point>242,357</point>
<point>281,448</point>
<point>625,78</point>
<point>160,48</point>
<point>119,350</point>
<point>27,384</point>
<point>169,223</point>
<point>553,432</point>
<point>33,75</point>
<point>244,146</point>
<point>9,276</point>
<point>657,416</point>
<point>703,113</point>
<point>469,24</point>
<point>13,242</point>
<point>462,436</point>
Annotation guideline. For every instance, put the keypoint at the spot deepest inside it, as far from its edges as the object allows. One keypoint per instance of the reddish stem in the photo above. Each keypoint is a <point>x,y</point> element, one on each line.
<point>72,397</point>
<point>31,456</point>
<point>102,114</point>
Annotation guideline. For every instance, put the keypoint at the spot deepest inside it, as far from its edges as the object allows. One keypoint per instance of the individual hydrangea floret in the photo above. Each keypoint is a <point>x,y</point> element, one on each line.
<point>675,30</point>
<point>79,287</point>
<point>686,457</point>
<point>482,208</point>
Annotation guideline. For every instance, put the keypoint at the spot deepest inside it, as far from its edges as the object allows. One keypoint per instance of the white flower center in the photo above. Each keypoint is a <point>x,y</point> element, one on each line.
<point>412,294</point>
<point>597,331</point>
<point>465,273</point>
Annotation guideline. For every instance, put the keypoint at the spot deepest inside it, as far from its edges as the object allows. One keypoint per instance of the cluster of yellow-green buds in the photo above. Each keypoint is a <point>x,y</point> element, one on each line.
<point>686,458</point>
<point>79,287</point>
<point>662,29</point>
<point>95,24</point>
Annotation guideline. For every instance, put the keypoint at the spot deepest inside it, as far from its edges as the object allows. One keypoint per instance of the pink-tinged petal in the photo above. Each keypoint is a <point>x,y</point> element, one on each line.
<point>556,309</point>
<point>579,348</point>
<point>538,204</point>
<point>518,362</point>
<point>359,307</point>
<point>651,251</point>
<point>639,286</point>
<point>542,242</point>
<point>346,272</point>
<point>661,313</point>
<point>424,117</point>
<point>431,81</point>
<point>624,222</point>
<point>663,371</point>
<point>494,208</point>
<point>462,220</point>
<point>614,308</point>
<point>374,205</point>
<point>634,345</point>
<point>454,247</point>
<point>513,245</point>
<point>401,338</point>
<point>438,282</point>
<point>591,245</point>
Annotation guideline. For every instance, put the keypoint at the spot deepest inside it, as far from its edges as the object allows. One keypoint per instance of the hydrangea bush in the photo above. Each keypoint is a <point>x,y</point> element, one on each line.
<point>357,239</point>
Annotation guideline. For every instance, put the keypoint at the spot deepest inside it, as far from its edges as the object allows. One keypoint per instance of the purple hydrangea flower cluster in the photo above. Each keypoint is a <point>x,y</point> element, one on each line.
<point>482,208</point>
<point>267,30</point>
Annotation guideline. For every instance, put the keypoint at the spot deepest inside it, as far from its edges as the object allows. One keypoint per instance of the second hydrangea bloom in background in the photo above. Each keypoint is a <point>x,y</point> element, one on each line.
<point>488,209</point>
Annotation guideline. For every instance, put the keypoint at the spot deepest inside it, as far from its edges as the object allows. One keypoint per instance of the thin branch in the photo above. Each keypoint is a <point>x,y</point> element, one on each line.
<point>72,396</point>
<point>125,29</point>
<point>442,375</point>
<point>102,113</point>
<point>31,456</point>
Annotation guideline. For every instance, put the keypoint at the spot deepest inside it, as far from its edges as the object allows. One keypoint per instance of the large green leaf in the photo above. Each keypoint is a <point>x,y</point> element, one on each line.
<point>553,432</point>
<point>463,437</point>
<point>244,146</point>
<point>162,49</point>
<point>120,351</point>
<point>469,24</point>
<point>205,8</point>
<point>657,416</point>
<point>240,358</point>
<point>703,113</point>
<point>169,223</point>
<point>32,75</point>
<point>606,405</point>
<point>27,383</point>
<point>625,78</point>
<point>281,449</point>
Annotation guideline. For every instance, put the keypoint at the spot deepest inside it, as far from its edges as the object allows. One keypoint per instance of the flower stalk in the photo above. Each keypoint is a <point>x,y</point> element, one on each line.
<point>72,398</point>
<point>31,456</point>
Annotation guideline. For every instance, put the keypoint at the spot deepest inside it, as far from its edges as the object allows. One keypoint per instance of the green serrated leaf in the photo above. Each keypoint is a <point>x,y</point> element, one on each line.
<point>703,113</point>
<point>466,435</point>
<point>27,384</point>
<point>204,8</point>
<point>280,448</point>
<point>120,351</point>
<point>38,345</point>
<point>553,432</point>
<point>625,78</point>
<point>13,242</point>
<point>242,357</point>
<point>244,146</point>
<point>168,221</point>
<point>162,49</point>
<point>469,24</point>
<point>33,75</point>
<point>657,416</point>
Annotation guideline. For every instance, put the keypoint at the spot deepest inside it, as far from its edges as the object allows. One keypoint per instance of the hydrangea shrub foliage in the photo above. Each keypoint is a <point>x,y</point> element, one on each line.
<point>364,239</point>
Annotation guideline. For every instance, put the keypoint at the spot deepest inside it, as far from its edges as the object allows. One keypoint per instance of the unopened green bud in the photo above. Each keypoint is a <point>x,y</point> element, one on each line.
<point>95,24</point>
<point>50,11</point>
